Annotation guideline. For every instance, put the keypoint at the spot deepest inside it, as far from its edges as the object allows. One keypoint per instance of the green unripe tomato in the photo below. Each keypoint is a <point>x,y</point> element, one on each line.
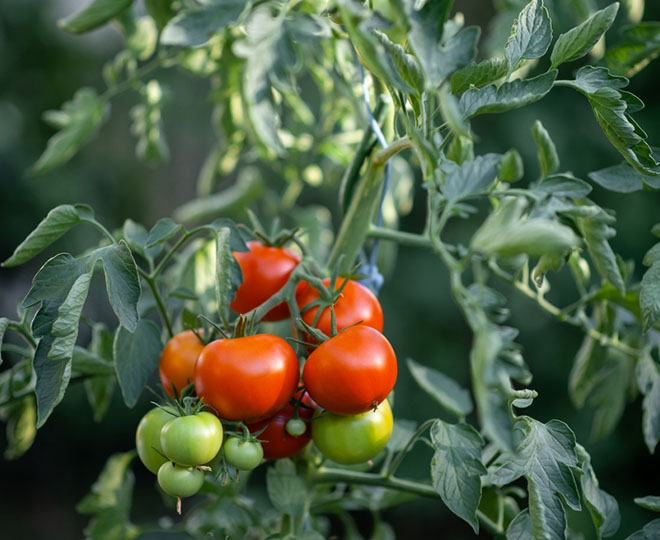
<point>295,427</point>
<point>242,454</point>
<point>353,439</point>
<point>147,438</point>
<point>192,440</point>
<point>179,481</point>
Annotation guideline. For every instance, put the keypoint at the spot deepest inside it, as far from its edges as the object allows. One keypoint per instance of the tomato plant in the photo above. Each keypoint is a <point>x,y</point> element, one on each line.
<point>277,442</point>
<point>192,440</point>
<point>177,362</point>
<point>248,378</point>
<point>355,304</point>
<point>353,439</point>
<point>351,372</point>
<point>243,454</point>
<point>266,269</point>
<point>179,481</point>
<point>356,132</point>
<point>147,438</point>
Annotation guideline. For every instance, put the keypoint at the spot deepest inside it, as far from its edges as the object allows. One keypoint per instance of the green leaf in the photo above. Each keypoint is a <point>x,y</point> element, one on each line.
<point>458,51</point>
<point>563,185</point>
<point>623,178</point>
<point>648,381</point>
<point>651,531</point>
<point>546,151</point>
<point>470,178</point>
<point>286,489</point>
<point>531,34</point>
<point>427,23</point>
<point>478,74</point>
<point>164,229</point>
<point>406,65</point>
<point>596,230</point>
<point>147,124</point>
<point>122,282</point>
<point>86,362</point>
<point>511,167</point>
<point>59,220</point>
<point>456,468</point>
<point>545,455</point>
<point>21,429</point>
<point>602,506</point>
<point>228,275</point>
<point>533,236</point>
<point>444,390</point>
<point>578,41</point>
<point>371,45</point>
<point>78,121</point>
<point>520,527</point>
<point>590,79</point>
<point>136,237</point>
<point>65,326</point>
<point>640,45</point>
<point>194,27</point>
<point>110,501</point>
<point>53,377</point>
<point>650,502</point>
<point>4,324</point>
<point>136,357</point>
<point>93,15</point>
<point>161,11</point>
<point>610,109</point>
<point>491,388</point>
<point>510,95</point>
<point>451,112</point>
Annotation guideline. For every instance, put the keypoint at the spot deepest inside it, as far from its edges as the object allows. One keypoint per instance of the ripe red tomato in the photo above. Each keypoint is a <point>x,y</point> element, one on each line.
<point>248,378</point>
<point>351,372</point>
<point>356,304</point>
<point>177,362</point>
<point>276,442</point>
<point>265,271</point>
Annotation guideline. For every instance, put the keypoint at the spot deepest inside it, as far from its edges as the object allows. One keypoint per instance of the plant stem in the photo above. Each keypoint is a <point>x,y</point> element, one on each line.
<point>175,247</point>
<point>400,237</point>
<point>389,471</point>
<point>561,314</point>
<point>127,84</point>
<point>327,475</point>
<point>159,301</point>
<point>23,331</point>
<point>101,228</point>
<point>394,148</point>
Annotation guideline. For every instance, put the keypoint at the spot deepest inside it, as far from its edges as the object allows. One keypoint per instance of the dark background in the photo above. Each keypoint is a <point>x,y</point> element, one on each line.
<point>41,67</point>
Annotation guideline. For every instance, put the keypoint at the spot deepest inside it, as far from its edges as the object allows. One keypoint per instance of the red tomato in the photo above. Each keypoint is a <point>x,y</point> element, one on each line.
<point>265,271</point>
<point>276,442</point>
<point>248,378</point>
<point>356,304</point>
<point>351,372</point>
<point>177,362</point>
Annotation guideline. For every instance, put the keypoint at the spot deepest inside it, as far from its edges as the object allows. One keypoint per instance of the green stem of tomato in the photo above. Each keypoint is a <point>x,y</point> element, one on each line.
<point>392,468</point>
<point>20,328</point>
<point>187,236</point>
<point>326,475</point>
<point>400,237</point>
<point>151,282</point>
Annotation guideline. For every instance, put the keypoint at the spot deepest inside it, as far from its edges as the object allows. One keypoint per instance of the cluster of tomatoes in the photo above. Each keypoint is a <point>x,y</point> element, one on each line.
<point>254,381</point>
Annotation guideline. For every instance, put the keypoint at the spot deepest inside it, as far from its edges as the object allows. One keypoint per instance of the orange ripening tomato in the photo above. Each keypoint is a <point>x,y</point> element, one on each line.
<point>356,304</point>
<point>177,362</point>
<point>276,442</point>
<point>248,378</point>
<point>352,372</point>
<point>265,271</point>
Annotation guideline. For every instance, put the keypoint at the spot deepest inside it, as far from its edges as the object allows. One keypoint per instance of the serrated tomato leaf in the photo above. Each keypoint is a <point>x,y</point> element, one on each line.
<point>136,357</point>
<point>456,468</point>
